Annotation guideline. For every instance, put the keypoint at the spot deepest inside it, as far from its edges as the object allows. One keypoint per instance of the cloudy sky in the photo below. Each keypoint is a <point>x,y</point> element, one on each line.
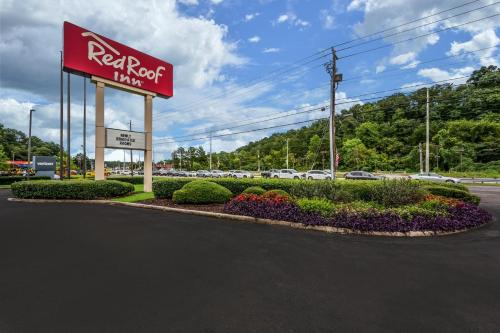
<point>235,61</point>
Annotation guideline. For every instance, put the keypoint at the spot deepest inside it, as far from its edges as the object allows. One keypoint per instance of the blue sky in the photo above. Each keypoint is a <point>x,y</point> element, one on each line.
<point>223,52</point>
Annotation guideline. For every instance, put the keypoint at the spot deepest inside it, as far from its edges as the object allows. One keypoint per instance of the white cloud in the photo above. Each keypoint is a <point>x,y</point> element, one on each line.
<point>383,14</point>
<point>327,20</point>
<point>216,2</point>
<point>254,39</point>
<point>356,5</point>
<point>412,84</point>
<point>379,69</point>
<point>403,58</point>
<point>486,39</point>
<point>292,19</point>
<point>271,50</point>
<point>282,18</point>
<point>412,64</point>
<point>437,74</point>
<point>189,2</point>
<point>251,16</point>
<point>31,39</point>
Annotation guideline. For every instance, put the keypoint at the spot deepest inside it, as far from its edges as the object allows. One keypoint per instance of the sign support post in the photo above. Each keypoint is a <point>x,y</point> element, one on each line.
<point>148,153</point>
<point>99,130</point>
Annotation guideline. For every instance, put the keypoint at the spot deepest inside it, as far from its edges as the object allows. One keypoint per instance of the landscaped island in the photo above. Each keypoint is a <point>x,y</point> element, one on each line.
<point>391,206</point>
<point>366,206</point>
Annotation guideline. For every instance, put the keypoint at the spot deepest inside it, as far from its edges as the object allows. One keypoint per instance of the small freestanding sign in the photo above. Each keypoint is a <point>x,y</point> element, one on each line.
<point>112,64</point>
<point>44,166</point>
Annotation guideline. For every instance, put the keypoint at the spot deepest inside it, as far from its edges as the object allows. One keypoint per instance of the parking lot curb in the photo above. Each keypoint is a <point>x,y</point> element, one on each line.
<point>242,218</point>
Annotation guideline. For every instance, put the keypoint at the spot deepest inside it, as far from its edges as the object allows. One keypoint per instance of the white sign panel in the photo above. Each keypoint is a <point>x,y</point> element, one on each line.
<point>125,139</point>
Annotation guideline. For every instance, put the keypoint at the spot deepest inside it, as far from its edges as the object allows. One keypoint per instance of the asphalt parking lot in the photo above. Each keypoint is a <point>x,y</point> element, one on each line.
<point>98,268</point>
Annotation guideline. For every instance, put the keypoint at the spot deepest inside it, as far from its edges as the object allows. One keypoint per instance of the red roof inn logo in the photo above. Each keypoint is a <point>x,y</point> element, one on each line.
<point>88,53</point>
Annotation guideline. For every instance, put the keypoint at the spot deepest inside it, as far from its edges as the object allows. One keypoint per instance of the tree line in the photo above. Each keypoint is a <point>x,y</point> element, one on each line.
<point>385,135</point>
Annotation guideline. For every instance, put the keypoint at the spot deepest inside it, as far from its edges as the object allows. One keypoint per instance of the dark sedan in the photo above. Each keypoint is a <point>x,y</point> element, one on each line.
<point>363,175</point>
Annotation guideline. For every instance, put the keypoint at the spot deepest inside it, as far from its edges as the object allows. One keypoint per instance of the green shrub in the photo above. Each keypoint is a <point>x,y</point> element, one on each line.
<point>323,207</point>
<point>453,193</point>
<point>275,193</point>
<point>128,179</point>
<point>71,189</point>
<point>8,180</point>
<point>254,190</point>
<point>201,192</point>
<point>165,188</point>
<point>393,193</point>
<point>337,191</point>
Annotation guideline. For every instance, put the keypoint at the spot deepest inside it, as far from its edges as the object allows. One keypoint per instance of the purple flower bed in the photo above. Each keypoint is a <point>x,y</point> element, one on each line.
<point>460,217</point>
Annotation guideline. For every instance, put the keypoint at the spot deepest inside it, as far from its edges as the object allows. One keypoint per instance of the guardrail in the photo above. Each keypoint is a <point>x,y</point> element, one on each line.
<point>474,180</point>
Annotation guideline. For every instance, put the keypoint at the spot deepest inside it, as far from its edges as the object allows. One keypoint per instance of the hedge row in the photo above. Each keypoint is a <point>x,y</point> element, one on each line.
<point>390,193</point>
<point>8,180</point>
<point>453,193</point>
<point>71,189</point>
<point>128,179</point>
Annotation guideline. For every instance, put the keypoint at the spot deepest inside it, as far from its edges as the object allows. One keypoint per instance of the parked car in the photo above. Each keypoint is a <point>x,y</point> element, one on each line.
<point>434,177</point>
<point>268,174</point>
<point>363,175</point>
<point>217,174</point>
<point>203,173</point>
<point>241,174</point>
<point>286,174</point>
<point>317,174</point>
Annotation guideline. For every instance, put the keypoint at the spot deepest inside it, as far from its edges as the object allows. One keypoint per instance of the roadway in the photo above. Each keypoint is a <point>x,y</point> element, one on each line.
<point>98,268</point>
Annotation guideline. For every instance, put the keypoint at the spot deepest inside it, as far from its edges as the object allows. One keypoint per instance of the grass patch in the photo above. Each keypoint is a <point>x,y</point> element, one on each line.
<point>137,195</point>
<point>5,187</point>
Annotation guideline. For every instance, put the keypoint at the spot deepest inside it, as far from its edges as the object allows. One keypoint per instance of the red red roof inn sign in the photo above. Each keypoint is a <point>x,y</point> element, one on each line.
<point>88,53</point>
<point>109,63</point>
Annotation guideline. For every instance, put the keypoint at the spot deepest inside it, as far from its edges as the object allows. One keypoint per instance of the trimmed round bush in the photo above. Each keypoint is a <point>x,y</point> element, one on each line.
<point>453,193</point>
<point>255,190</point>
<point>71,189</point>
<point>202,192</point>
<point>274,193</point>
<point>398,192</point>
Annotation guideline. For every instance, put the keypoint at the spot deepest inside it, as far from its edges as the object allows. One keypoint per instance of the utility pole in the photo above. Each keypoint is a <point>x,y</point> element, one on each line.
<point>287,153</point>
<point>180,162</point>
<point>437,157</point>
<point>427,135</point>
<point>331,68</point>
<point>61,121</point>
<point>68,130</point>
<point>131,156</point>
<point>29,141</point>
<point>461,151</point>
<point>258,160</point>
<point>84,127</point>
<point>210,160</point>
<point>420,155</point>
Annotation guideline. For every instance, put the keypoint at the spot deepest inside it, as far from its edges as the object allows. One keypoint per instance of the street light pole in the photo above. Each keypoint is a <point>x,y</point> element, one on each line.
<point>29,141</point>
<point>427,135</point>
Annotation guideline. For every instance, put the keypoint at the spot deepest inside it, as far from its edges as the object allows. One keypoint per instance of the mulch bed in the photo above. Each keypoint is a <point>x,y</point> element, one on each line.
<point>215,208</point>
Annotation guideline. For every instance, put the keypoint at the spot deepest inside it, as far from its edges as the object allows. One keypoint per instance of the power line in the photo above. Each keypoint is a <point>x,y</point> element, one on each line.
<point>420,26</point>
<point>295,123</point>
<point>322,107</point>
<point>284,70</point>
<point>355,78</point>
<point>416,37</point>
